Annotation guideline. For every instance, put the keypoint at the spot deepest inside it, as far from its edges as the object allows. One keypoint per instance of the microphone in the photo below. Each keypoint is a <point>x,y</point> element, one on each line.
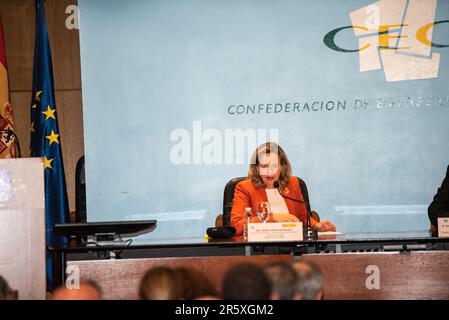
<point>309,233</point>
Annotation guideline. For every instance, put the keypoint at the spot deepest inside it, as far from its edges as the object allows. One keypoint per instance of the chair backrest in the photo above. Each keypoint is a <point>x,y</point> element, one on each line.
<point>228,197</point>
<point>304,191</point>
<point>80,191</point>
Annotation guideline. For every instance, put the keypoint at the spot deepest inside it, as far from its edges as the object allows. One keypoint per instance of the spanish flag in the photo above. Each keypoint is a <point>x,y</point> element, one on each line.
<point>8,146</point>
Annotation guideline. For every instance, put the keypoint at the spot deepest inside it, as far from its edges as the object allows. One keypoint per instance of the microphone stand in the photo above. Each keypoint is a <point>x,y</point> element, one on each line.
<point>309,234</point>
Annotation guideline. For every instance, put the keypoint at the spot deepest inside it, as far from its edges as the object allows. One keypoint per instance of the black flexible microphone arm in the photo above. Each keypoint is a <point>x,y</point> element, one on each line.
<point>309,233</point>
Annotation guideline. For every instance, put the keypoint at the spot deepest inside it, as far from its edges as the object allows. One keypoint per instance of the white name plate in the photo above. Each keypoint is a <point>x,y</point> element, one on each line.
<point>443,227</point>
<point>275,231</point>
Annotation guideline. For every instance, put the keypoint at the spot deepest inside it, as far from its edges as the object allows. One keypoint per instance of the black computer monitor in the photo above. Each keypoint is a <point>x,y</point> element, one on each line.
<point>109,228</point>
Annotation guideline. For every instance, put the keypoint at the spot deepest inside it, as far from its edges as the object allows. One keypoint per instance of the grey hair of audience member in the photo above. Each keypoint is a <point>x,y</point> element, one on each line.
<point>310,280</point>
<point>283,279</point>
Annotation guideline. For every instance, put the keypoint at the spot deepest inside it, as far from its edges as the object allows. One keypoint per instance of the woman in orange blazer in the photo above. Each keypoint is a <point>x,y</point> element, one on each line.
<point>269,168</point>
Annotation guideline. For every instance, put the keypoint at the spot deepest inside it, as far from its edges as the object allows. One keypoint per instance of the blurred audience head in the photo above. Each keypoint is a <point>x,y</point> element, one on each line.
<point>309,283</point>
<point>88,290</point>
<point>195,284</point>
<point>160,283</point>
<point>283,280</point>
<point>246,281</point>
<point>6,293</point>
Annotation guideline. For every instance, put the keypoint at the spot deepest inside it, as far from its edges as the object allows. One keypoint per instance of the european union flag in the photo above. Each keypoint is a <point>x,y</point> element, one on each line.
<point>45,139</point>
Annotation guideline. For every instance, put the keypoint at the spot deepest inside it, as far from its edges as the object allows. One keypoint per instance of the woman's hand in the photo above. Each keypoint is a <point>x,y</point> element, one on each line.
<point>325,226</point>
<point>284,217</point>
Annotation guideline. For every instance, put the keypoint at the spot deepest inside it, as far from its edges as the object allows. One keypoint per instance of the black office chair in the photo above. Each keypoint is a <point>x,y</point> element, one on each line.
<point>80,192</point>
<point>228,199</point>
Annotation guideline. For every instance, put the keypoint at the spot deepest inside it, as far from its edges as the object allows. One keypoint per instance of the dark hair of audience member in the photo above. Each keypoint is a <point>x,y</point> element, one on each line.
<point>195,284</point>
<point>246,281</point>
<point>6,293</point>
<point>310,280</point>
<point>159,283</point>
<point>283,280</point>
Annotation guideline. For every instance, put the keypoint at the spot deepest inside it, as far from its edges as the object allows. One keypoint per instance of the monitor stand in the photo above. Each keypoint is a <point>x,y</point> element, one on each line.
<point>107,240</point>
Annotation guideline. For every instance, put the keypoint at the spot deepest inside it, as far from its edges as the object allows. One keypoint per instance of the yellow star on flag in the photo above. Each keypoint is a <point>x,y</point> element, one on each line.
<point>34,106</point>
<point>53,137</point>
<point>47,163</point>
<point>50,113</point>
<point>32,127</point>
<point>38,96</point>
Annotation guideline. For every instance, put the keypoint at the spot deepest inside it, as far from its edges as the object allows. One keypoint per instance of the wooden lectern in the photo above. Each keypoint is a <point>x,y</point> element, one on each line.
<point>22,226</point>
